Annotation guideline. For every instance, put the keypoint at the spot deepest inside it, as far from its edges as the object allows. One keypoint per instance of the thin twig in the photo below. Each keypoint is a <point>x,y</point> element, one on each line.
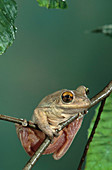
<point>45,144</point>
<point>102,95</point>
<point>96,99</point>
<point>92,134</point>
<point>37,154</point>
<point>22,122</point>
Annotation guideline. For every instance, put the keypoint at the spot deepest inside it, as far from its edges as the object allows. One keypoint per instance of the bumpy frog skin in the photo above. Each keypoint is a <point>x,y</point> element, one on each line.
<point>53,110</point>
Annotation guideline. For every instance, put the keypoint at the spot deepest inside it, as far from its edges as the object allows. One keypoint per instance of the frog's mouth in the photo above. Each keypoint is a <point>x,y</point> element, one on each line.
<point>73,111</point>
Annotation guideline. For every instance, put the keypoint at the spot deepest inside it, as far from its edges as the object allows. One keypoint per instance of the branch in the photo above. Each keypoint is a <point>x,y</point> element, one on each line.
<point>101,95</point>
<point>22,122</point>
<point>96,99</point>
<point>45,144</point>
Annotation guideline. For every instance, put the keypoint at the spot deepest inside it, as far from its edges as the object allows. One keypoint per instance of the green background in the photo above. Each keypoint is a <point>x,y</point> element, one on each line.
<point>52,50</point>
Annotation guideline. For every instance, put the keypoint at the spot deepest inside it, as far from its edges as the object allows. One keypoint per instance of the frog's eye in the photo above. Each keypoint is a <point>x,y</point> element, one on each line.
<point>67,97</point>
<point>87,90</point>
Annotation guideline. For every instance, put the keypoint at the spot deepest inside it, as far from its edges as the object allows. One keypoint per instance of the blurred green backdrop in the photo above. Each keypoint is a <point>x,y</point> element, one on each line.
<point>52,51</point>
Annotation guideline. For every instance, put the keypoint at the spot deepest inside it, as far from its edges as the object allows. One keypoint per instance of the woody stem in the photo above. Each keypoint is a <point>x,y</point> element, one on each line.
<point>101,95</point>
<point>45,144</point>
<point>23,122</point>
<point>96,99</point>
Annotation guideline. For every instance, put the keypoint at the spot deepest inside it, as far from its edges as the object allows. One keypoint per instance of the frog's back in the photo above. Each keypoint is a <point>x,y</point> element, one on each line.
<point>48,100</point>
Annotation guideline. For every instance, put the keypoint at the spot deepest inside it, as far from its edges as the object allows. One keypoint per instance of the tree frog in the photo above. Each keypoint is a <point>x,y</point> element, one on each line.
<point>58,107</point>
<point>49,114</point>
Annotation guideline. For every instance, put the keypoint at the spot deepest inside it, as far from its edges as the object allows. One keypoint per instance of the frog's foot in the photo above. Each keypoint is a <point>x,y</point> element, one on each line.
<point>48,131</point>
<point>55,134</point>
<point>55,130</point>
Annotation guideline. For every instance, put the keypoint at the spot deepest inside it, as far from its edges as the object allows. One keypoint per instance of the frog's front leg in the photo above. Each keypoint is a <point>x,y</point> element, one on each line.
<point>40,118</point>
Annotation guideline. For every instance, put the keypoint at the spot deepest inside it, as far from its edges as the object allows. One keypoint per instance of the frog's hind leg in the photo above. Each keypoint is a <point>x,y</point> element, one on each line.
<point>70,132</point>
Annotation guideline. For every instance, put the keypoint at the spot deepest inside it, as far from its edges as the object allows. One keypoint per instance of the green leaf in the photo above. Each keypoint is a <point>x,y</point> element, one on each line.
<point>8,12</point>
<point>100,152</point>
<point>106,29</point>
<point>57,4</point>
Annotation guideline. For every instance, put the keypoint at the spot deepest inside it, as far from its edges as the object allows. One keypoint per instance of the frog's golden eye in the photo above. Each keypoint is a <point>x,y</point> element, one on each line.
<point>87,90</point>
<point>67,97</point>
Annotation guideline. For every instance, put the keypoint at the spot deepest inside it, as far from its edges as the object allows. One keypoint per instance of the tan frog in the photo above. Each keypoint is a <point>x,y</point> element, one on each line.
<point>58,107</point>
<point>53,110</point>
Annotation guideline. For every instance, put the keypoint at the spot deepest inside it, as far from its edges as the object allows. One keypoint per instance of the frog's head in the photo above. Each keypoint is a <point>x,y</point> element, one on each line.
<point>67,101</point>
